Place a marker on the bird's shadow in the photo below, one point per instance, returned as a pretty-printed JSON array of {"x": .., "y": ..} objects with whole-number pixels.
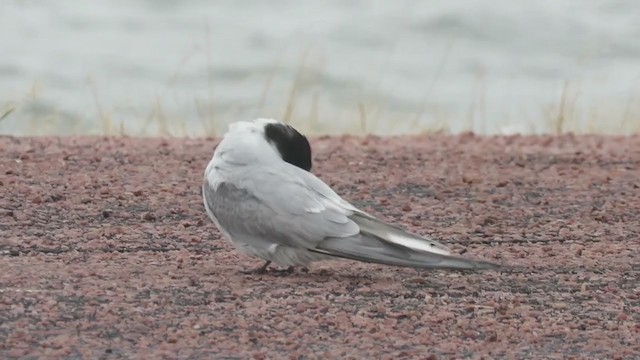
[{"x": 342, "y": 273}]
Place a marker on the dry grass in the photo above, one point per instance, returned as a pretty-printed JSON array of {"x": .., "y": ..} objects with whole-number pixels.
[
  {"x": 562, "y": 117},
  {"x": 7, "y": 111},
  {"x": 305, "y": 107}
]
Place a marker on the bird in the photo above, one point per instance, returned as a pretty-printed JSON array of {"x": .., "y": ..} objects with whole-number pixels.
[{"x": 259, "y": 191}]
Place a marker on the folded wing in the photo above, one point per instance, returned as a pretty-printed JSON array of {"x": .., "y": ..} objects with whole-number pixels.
[{"x": 288, "y": 206}]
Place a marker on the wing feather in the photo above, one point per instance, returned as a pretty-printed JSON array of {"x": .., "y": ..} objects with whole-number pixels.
[
  {"x": 278, "y": 208},
  {"x": 287, "y": 206}
]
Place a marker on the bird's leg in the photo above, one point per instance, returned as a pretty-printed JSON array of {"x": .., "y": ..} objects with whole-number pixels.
[{"x": 261, "y": 270}]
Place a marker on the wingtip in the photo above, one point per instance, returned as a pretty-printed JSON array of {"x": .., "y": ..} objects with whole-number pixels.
[
  {"x": 464, "y": 263},
  {"x": 486, "y": 265}
]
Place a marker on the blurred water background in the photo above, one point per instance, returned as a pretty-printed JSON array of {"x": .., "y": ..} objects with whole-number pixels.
[{"x": 187, "y": 68}]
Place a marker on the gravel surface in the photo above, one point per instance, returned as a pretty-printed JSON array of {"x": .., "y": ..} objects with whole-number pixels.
[{"x": 106, "y": 252}]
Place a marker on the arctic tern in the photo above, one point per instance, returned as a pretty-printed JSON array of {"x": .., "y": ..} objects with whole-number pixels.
[{"x": 260, "y": 193}]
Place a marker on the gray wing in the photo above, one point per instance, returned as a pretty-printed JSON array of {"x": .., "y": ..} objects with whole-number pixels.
[
  {"x": 277, "y": 206},
  {"x": 380, "y": 242},
  {"x": 289, "y": 206}
]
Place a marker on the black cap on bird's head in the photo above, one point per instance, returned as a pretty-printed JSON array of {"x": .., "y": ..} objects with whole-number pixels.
[{"x": 293, "y": 147}]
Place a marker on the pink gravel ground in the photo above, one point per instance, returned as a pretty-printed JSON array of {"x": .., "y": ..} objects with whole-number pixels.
[{"x": 106, "y": 252}]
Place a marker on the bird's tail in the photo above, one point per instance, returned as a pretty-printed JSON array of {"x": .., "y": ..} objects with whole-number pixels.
[{"x": 382, "y": 243}]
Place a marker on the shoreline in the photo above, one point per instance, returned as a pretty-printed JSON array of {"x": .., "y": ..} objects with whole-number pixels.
[{"x": 107, "y": 251}]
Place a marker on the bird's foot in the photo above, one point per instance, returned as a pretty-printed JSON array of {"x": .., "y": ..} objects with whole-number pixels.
[
  {"x": 261, "y": 270},
  {"x": 288, "y": 271}
]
